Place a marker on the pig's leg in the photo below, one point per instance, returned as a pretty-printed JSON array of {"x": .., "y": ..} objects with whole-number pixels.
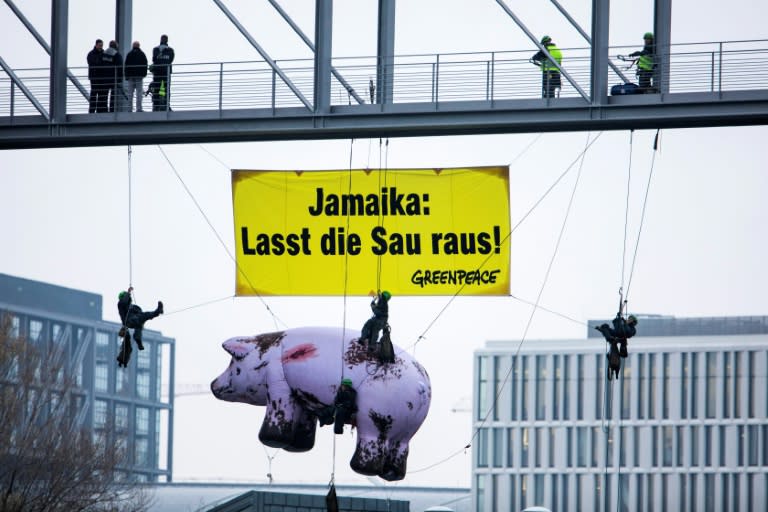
[{"x": 304, "y": 427}]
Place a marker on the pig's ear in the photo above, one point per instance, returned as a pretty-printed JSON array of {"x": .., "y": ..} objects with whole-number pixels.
[{"x": 237, "y": 348}]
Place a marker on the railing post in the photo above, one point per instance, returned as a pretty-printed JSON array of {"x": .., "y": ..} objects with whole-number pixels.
[
  {"x": 712, "y": 73},
  {"x": 274, "y": 81},
  {"x": 13, "y": 97},
  {"x": 720, "y": 70},
  {"x": 221, "y": 85},
  {"x": 437, "y": 79},
  {"x": 493, "y": 73}
]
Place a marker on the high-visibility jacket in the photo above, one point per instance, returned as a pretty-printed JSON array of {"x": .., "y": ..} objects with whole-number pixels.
[
  {"x": 556, "y": 54},
  {"x": 647, "y": 60}
]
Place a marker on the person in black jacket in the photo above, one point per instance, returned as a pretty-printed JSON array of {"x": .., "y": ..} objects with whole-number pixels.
[
  {"x": 345, "y": 404},
  {"x": 113, "y": 75},
  {"x": 617, "y": 338},
  {"x": 374, "y": 325},
  {"x": 162, "y": 58},
  {"x": 98, "y": 90},
  {"x": 133, "y": 317},
  {"x": 135, "y": 72}
]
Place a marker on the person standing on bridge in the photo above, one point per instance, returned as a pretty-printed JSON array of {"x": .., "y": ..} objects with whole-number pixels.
[
  {"x": 646, "y": 64},
  {"x": 135, "y": 72},
  {"x": 162, "y": 58},
  {"x": 550, "y": 73},
  {"x": 98, "y": 96},
  {"x": 113, "y": 75}
]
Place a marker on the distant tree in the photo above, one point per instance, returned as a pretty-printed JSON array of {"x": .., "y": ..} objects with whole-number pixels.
[{"x": 48, "y": 461}]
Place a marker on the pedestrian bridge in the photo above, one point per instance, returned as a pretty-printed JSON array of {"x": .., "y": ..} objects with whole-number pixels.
[{"x": 703, "y": 84}]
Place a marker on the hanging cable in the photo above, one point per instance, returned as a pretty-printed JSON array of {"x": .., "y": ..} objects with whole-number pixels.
[
  {"x": 535, "y": 306},
  {"x": 218, "y": 237},
  {"x": 130, "y": 221}
]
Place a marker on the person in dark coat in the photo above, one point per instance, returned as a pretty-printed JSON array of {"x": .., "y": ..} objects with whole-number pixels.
[
  {"x": 374, "y": 325},
  {"x": 135, "y": 72},
  {"x": 113, "y": 75},
  {"x": 345, "y": 404},
  {"x": 98, "y": 94},
  {"x": 162, "y": 58},
  {"x": 133, "y": 317},
  {"x": 617, "y": 339}
]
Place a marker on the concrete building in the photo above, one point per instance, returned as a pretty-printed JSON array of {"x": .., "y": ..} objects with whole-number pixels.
[
  {"x": 684, "y": 428},
  {"x": 139, "y": 398}
]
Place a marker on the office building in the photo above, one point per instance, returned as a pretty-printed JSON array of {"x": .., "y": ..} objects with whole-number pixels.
[
  {"x": 138, "y": 399},
  {"x": 685, "y": 427}
]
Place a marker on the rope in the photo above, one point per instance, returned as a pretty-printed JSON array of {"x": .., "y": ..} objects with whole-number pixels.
[
  {"x": 535, "y": 307},
  {"x": 626, "y": 210},
  {"x": 130, "y": 221},
  {"x": 642, "y": 214},
  {"x": 218, "y": 237}
]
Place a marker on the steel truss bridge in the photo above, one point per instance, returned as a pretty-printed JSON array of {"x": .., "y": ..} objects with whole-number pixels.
[{"x": 387, "y": 95}]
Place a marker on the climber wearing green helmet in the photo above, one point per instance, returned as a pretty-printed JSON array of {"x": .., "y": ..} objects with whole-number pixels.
[
  {"x": 646, "y": 64},
  {"x": 345, "y": 405},
  {"x": 617, "y": 338},
  {"x": 550, "y": 74},
  {"x": 134, "y": 318},
  {"x": 374, "y": 325}
]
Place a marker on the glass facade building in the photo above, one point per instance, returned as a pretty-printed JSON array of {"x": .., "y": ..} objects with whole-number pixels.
[
  {"x": 136, "y": 402},
  {"x": 684, "y": 428}
]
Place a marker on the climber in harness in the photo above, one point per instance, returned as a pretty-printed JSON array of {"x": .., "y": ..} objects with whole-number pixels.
[
  {"x": 378, "y": 322},
  {"x": 134, "y": 318},
  {"x": 345, "y": 405},
  {"x": 617, "y": 339}
]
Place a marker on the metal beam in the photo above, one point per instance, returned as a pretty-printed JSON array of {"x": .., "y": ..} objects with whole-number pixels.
[
  {"x": 385, "y": 52},
  {"x": 306, "y": 40},
  {"x": 737, "y": 108},
  {"x": 323, "y": 55},
  {"x": 123, "y": 25},
  {"x": 31, "y": 97},
  {"x": 581, "y": 31},
  {"x": 263, "y": 54},
  {"x": 42, "y": 42},
  {"x": 662, "y": 28},
  {"x": 535, "y": 41},
  {"x": 599, "y": 53},
  {"x": 58, "y": 80}
]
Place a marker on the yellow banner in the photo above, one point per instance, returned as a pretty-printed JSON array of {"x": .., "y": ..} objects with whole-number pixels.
[{"x": 408, "y": 231}]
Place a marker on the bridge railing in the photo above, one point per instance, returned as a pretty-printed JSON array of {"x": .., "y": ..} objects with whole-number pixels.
[{"x": 427, "y": 78}]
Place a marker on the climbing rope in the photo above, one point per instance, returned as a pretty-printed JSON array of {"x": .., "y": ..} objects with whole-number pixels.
[{"x": 130, "y": 221}]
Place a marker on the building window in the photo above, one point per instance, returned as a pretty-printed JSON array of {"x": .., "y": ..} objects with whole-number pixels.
[
  {"x": 498, "y": 447},
  {"x": 668, "y": 440},
  {"x": 694, "y": 445},
  {"x": 121, "y": 417},
  {"x": 581, "y": 447},
  {"x": 641, "y": 383},
  {"x": 563, "y": 494},
  {"x": 707, "y": 445},
  {"x": 497, "y": 384},
  {"x": 35, "y": 328},
  {"x": 626, "y": 386},
  {"x": 142, "y": 451},
  {"x": 679, "y": 432},
  {"x": 727, "y": 384},
  {"x": 101, "y": 377},
  {"x": 144, "y": 361},
  {"x": 724, "y": 491},
  {"x": 15, "y": 325},
  {"x": 566, "y": 389},
  {"x": 512, "y": 488},
  {"x": 121, "y": 382},
  {"x": 711, "y": 404},
  {"x": 537, "y": 445},
  {"x": 623, "y": 446},
  {"x": 751, "y": 384},
  {"x": 482, "y": 402},
  {"x": 639, "y": 491},
  {"x": 736, "y": 493},
  {"x": 579, "y": 387},
  {"x": 652, "y": 386},
  {"x": 142, "y": 384},
  {"x": 694, "y": 385},
  {"x": 655, "y": 446},
  {"x": 737, "y": 382},
  {"x": 142, "y": 421},
  {"x": 524, "y": 447},
  {"x": 524, "y": 390},
  {"x": 556, "y": 388},
  {"x": 480, "y": 497},
  {"x": 569, "y": 446},
  {"x": 482, "y": 448},
  {"x": 523, "y": 491},
  {"x": 595, "y": 434},
  {"x": 103, "y": 351},
  {"x": 740, "y": 433},
  {"x": 538, "y": 488},
  {"x": 722, "y": 445},
  {"x": 551, "y": 447},
  {"x": 752, "y": 445},
  {"x": 510, "y": 450},
  {"x": 513, "y": 389},
  {"x": 684, "y": 385},
  {"x": 665, "y": 384},
  {"x": 495, "y": 496},
  {"x": 692, "y": 480},
  {"x": 541, "y": 383},
  {"x": 600, "y": 397},
  {"x": 99, "y": 413}
]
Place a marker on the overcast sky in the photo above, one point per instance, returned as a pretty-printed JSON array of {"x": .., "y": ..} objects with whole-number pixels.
[{"x": 702, "y": 250}]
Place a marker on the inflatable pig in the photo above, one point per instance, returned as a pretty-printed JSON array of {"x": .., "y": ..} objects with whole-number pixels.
[{"x": 296, "y": 374}]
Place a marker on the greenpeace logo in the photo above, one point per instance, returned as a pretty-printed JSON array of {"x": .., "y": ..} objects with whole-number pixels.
[{"x": 424, "y": 278}]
